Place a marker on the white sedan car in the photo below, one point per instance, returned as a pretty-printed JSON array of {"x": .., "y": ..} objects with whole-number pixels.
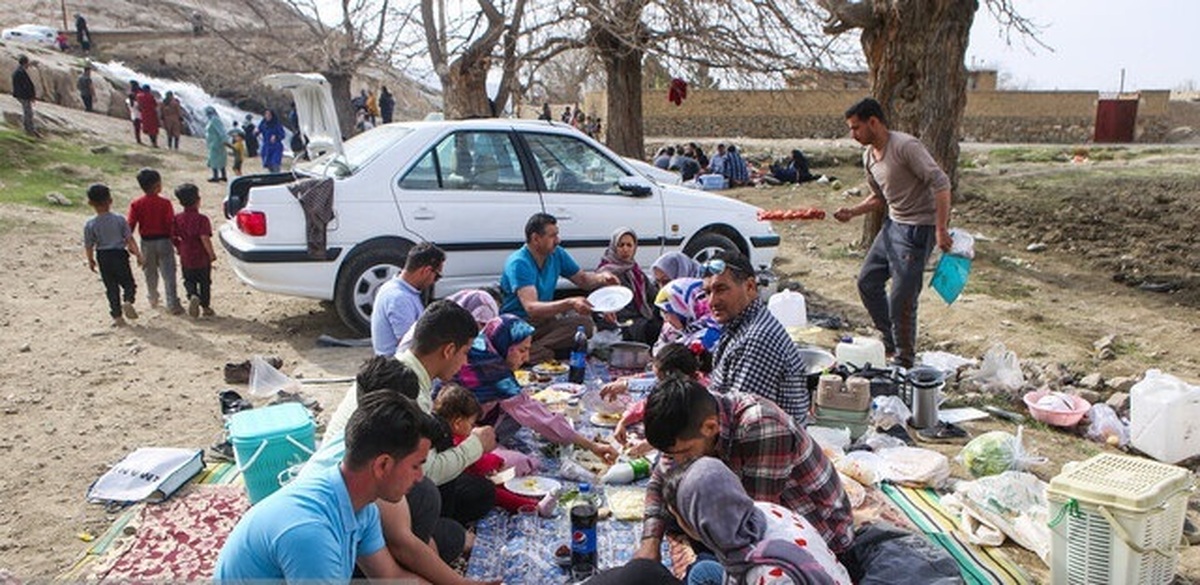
[
  {"x": 31, "y": 33},
  {"x": 468, "y": 186}
]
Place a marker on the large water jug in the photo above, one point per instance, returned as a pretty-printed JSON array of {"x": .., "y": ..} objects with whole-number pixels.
[
  {"x": 858, "y": 352},
  {"x": 1164, "y": 417},
  {"x": 789, "y": 308}
]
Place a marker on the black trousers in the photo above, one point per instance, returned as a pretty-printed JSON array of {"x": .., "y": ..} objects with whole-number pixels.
[
  {"x": 87, "y": 102},
  {"x": 115, "y": 272},
  {"x": 467, "y": 498},
  {"x": 424, "y": 504},
  {"x": 198, "y": 283},
  {"x": 636, "y": 572}
]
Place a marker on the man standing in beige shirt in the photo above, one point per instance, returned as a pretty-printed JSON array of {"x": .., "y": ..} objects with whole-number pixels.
[{"x": 904, "y": 177}]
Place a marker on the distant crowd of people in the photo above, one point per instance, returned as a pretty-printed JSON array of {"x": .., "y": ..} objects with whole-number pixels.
[
  {"x": 587, "y": 123},
  {"x": 690, "y": 162},
  {"x": 371, "y": 110}
]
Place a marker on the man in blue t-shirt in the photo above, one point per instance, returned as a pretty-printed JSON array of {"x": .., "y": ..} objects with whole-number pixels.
[
  {"x": 317, "y": 527},
  {"x": 528, "y": 283}
]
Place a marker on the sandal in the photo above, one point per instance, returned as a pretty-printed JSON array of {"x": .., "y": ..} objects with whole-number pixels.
[
  {"x": 943, "y": 432},
  {"x": 232, "y": 402}
]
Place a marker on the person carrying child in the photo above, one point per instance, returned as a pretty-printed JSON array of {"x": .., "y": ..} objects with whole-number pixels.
[
  {"x": 108, "y": 242},
  {"x": 153, "y": 217},
  {"x": 193, "y": 240},
  {"x": 457, "y": 410}
]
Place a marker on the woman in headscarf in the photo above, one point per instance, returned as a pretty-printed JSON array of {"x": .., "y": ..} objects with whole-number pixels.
[
  {"x": 214, "y": 142},
  {"x": 172, "y": 120},
  {"x": 756, "y": 543},
  {"x": 687, "y": 317},
  {"x": 479, "y": 303},
  {"x": 674, "y": 265},
  {"x": 271, "y": 135},
  {"x": 502, "y": 347},
  {"x": 620, "y": 259}
]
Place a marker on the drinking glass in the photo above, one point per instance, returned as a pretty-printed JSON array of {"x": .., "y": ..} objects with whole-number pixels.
[{"x": 527, "y": 523}]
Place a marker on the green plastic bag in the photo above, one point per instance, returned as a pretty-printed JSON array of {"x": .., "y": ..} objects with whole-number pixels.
[{"x": 950, "y": 276}]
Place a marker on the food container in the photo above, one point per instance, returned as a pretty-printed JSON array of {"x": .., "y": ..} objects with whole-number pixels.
[
  {"x": 1058, "y": 418},
  {"x": 629, "y": 355},
  {"x": 814, "y": 361}
]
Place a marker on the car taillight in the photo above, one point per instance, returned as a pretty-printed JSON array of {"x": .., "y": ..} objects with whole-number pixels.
[{"x": 252, "y": 223}]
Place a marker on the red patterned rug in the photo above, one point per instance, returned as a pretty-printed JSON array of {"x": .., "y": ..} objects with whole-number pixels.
[{"x": 177, "y": 540}]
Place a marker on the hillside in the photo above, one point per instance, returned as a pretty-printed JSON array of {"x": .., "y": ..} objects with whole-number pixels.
[{"x": 155, "y": 38}]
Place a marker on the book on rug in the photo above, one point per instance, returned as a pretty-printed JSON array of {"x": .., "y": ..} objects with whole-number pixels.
[{"x": 149, "y": 474}]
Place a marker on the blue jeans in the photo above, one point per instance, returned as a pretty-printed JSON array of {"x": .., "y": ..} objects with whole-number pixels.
[
  {"x": 705, "y": 571},
  {"x": 899, "y": 253}
]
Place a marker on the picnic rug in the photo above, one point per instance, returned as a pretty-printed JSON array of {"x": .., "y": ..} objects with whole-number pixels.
[
  {"x": 979, "y": 565},
  {"x": 173, "y": 541}
]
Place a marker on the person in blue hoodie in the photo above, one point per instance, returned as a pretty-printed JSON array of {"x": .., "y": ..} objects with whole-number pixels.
[{"x": 271, "y": 136}]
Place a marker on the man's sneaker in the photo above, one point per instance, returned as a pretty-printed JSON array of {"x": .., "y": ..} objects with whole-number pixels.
[
  {"x": 176, "y": 309},
  {"x": 118, "y": 321},
  {"x": 207, "y": 311},
  {"x": 129, "y": 311},
  {"x": 193, "y": 307}
]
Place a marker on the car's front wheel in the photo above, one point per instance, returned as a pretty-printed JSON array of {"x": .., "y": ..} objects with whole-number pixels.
[
  {"x": 706, "y": 245},
  {"x": 358, "y": 282}
]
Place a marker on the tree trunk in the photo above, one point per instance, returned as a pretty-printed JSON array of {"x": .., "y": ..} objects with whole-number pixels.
[
  {"x": 464, "y": 89},
  {"x": 915, "y": 55},
  {"x": 623, "y": 67},
  {"x": 339, "y": 87}
]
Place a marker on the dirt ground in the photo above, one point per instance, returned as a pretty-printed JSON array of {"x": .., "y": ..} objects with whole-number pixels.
[{"x": 79, "y": 394}]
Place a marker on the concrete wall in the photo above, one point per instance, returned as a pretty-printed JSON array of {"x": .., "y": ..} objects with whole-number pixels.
[{"x": 990, "y": 116}]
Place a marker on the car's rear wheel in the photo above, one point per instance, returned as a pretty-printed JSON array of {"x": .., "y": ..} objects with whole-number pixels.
[
  {"x": 358, "y": 282},
  {"x": 706, "y": 245}
]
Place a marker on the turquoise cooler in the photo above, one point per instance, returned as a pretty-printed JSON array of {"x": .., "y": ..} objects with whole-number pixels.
[{"x": 268, "y": 442}]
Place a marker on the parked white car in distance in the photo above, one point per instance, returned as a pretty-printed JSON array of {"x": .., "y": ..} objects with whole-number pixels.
[
  {"x": 31, "y": 33},
  {"x": 468, "y": 186}
]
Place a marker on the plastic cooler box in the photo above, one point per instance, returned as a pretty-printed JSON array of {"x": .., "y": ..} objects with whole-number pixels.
[
  {"x": 268, "y": 442},
  {"x": 1115, "y": 520}
]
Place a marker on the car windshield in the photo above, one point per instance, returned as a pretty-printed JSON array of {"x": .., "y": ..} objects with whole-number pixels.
[{"x": 358, "y": 152}]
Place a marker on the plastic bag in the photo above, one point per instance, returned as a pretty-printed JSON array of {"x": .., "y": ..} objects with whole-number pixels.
[
  {"x": 914, "y": 467},
  {"x": 996, "y": 452},
  {"x": 571, "y": 470},
  {"x": 266, "y": 381},
  {"x": 944, "y": 361},
  {"x": 861, "y": 466},
  {"x": 602, "y": 339},
  {"x": 1000, "y": 370},
  {"x": 829, "y": 438},
  {"x": 1013, "y": 503},
  {"x": 950, "y": 277},
  {"x": 878, "y": 441},
  {"x": 889, "y": 411},
  {"x": 963, "y": 243},
  {"x": 1105, "y": 426}
]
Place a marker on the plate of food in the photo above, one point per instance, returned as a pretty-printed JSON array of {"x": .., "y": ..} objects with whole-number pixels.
[
  {"x": 606, "y": 420},
  {"x": 532, "y": 486},
  {"x": 550, "y": 368},
  {"x": 524, "y": 377},
  {"x": 610, "y": 298}
]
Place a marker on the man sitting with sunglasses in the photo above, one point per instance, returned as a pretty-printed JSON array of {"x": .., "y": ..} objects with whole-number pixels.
[
  {"x": 398, "y": 303},
  {"x": 754, "y": 354}
]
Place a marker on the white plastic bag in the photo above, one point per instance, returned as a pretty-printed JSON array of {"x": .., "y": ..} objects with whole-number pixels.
[
  {"x": 889, "y": 411},
  {"x": 830, "y": 439},
  {"x": 1000, "y": 370},
  {"x": 963, "y": 243},
  {"x": 914, "y": 467},
  {"x": 1104, "y": 426},
  {"x": 266, "y": 381}
]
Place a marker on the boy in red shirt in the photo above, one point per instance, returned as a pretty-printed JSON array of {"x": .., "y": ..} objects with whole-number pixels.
[
  {"x": 193, "y": 239},
  {"x": 153, "y": 217}
]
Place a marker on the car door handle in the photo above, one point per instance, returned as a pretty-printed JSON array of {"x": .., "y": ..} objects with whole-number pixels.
[
  {"x": 423, "y": 213},
  {"x": 561, "y": 214}
]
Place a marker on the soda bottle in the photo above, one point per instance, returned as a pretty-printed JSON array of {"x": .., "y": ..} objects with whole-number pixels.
[
  {"x": 583, "y": 533},
  {"x": 578, "y": 357}
]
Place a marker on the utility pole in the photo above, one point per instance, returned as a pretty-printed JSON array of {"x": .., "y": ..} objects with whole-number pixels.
[
  {"x": 64, "y": 13},
  {"x": 1122, "y": 90}
]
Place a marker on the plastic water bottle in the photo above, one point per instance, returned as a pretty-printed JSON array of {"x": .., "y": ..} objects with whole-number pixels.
[
  {"x": 627, "y": 472},
  {"x": 578, "y": 357}
]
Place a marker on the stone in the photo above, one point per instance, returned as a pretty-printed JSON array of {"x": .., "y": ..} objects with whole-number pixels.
[
  {"x": 57, "y": 198},
  {"x": 1092, "y": 381},
  {"x": 1119, "y": 401},
  {"x": 1122, "y": 383},
  {"x": 1036, "y": 247},
  {"x": 25, "y": 348},
  {"x": 1089, "y": 395}
]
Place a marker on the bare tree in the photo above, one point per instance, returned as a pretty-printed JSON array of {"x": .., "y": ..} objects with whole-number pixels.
[
  {"x": 335, "y": 40},
  {"x": 916, "y": 55}
]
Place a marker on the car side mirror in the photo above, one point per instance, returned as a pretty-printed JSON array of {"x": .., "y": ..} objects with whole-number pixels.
[{"x": 636, "y": 186}]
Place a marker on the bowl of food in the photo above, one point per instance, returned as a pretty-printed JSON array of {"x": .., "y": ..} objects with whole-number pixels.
[
  {"x": 1056, "y": 408},
  {"x": 545, "y": 371}
]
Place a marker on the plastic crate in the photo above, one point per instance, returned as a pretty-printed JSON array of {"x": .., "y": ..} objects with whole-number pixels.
[
  {"x": 268, "y": 442},
  {"x": 1116, "y": 520}
]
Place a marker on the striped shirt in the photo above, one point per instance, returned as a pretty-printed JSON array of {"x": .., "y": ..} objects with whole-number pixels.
[
  {"x": 777, "y": 463},
  {"x": 756, "y": 355}
]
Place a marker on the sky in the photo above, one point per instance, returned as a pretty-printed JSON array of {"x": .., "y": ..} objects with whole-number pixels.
[{"x": 1155, "y": 41}]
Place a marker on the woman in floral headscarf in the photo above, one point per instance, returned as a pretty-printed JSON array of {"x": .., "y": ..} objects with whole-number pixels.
[
  {"x": 503, "y": 346},
  {"x": 620, "y": 260},
  {"x": 686, "y": 315}
]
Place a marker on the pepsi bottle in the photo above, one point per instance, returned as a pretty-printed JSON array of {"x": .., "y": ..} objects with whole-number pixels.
[
  {"x": 578, "y": 362},
  {"x": 583, "y": 535}
]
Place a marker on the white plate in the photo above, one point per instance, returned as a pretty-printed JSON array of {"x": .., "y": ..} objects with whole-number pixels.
[
  {"x": 610, "y": 298},
  {"x": 532, "y": 486},
  {"x": 599, "y": 421}
]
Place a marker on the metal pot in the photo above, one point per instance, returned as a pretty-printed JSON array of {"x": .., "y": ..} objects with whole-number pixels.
[
  {"x": 814, "y": 361},
  {"x": 629, "y": 355}
]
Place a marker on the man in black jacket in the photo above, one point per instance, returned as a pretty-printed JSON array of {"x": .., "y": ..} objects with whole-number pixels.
[{"x": 22, "y": 89}]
